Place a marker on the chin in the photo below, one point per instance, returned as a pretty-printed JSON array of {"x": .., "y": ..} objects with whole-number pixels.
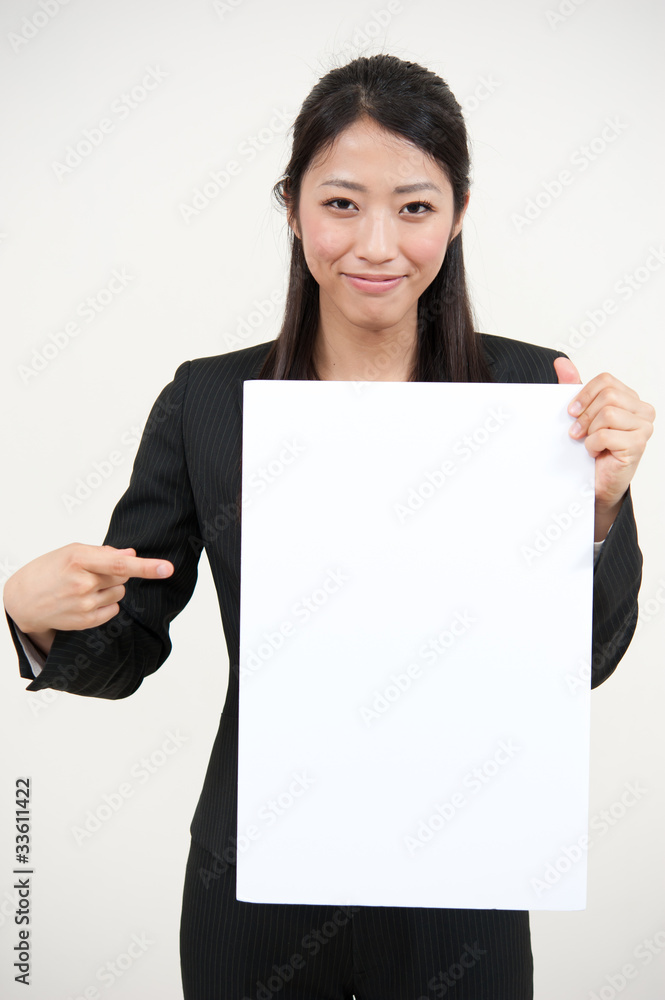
[
  {"x": 380, "y": 320},
  {"x": 370, "y": 323}
]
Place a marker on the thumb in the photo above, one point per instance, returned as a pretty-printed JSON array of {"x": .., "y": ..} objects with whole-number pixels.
[{"x": 566, "y": 372}]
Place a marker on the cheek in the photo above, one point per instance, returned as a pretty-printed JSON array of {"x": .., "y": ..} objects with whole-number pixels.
[
  {"x": 427, "y": 252},
  {"x": 325, "y": 244},
  {"x": 321, "y": 241}
]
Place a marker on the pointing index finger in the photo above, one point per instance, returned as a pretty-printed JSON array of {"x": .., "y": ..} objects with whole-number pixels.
[{"x": 115, "y": 562}]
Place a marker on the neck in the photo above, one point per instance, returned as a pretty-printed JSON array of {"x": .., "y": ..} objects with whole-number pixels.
[{"x": 349, "y": 353}]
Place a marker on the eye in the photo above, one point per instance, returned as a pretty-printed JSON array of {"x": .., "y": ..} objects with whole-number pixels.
[
  {"x": 412, "y": 208},
  {"x": 342, "y": 204},
  {"x": 413, "y": 205}
]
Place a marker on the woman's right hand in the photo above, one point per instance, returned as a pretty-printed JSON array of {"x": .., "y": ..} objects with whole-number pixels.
[{"x": 75, "y": 587}]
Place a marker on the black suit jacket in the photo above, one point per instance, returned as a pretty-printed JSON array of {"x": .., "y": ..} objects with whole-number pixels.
[{"x": 183, "y": 496}]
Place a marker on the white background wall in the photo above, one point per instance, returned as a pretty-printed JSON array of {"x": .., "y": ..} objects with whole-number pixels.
[{"x": 538, "y": 87}]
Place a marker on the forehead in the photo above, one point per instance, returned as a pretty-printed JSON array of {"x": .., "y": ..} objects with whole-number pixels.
[{"x": 373, "y": 156}]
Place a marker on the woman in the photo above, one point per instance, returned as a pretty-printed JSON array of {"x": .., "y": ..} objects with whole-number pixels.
[{"x": 375, "y": 192}]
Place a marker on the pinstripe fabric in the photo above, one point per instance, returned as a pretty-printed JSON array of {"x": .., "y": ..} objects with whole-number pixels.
[
  {"x": 183, "y": 497},
  {"x": 256, "y": 951}
]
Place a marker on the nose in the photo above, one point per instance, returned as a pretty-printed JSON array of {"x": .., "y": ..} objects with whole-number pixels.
[{"x": 376, "y": 238}]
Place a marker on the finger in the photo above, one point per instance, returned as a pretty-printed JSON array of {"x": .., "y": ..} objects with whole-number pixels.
[
  {"x": 566, "y": 372},
  {"x": 608, "y": 416},
  {"x": 108, "y": 561},
  {"x": 106, "y": 581},
  {"x": 110, "y": 595},
  {"x": 603, "y": 383},
  {"x": 615, "y": 398},
  {"x": 101, "y": 615},
  {"x": 624, "y": 446},
  {"x": 88, "y": 618}
]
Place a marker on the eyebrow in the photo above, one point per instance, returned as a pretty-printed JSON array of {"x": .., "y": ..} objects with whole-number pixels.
[{"x": 401, "y": 189}]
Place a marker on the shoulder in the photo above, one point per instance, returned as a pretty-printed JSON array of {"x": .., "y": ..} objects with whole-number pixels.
[
  {"x": 209, "y": 385},
  {"x": 231, "y": 366},
  {"x": 518, "y": 361},
  {"x": 204, "y": 380}
]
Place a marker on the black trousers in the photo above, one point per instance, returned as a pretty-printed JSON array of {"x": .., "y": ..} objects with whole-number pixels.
[{"x": 234, "y": 950}]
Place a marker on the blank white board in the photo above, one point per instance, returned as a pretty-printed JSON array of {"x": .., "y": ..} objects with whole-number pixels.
[{"x": 416, "y": 593}]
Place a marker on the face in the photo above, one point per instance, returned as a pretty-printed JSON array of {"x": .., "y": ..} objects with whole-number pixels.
[{"x": 375, "y": 218}]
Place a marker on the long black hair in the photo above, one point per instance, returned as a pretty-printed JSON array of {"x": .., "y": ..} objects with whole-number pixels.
[{"x": 415, "y": 103}]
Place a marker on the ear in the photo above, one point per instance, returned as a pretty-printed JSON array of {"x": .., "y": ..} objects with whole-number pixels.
[
  {"x": 293, "y": 223},
  {"x": 457, "y": 228},
  {"x": 290, "y": 214}
]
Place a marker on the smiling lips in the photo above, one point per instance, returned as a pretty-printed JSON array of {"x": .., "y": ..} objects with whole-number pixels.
[{"x": 374, "y": 283}]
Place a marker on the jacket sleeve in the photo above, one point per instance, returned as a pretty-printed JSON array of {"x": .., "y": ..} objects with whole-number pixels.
[
  {"x": 156, "y": 516},
  {"x": 617, "y": 577},
  {"x": 616, "y": 583}
]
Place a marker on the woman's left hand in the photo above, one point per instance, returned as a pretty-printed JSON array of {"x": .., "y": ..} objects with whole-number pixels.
[{"x": 616, "y": 426}]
